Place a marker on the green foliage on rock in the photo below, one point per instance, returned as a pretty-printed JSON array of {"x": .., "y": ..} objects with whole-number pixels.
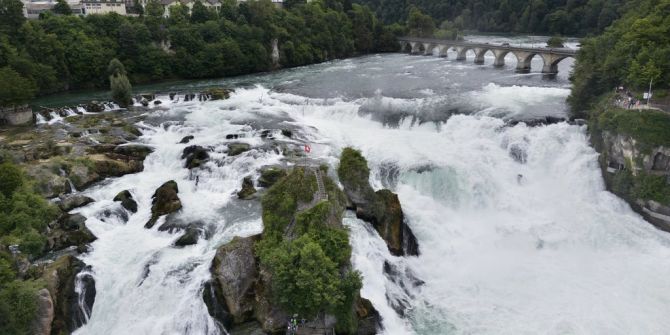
[
  {"x": 309, "y": 261},
  {"x": 651, "y": 187},
  {"x": 281, "y": 201},
  {"x": 23, "y": 220},
  {"x": 18, "y": 306},
  {"x": 555, "y": 42},
  {"x": 23, "y": 213},
  {"x": 353, "y": 169},
  {"x": 649, "y": 129}
]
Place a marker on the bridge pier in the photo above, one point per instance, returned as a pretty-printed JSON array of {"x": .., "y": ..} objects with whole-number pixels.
[
  {"x": 428, "y": 49},
  {"x": 500, "y": 57},
  {"x": 461, "y": 53},
  {"x": 416, "y": 48},
  {"x": 523, "y": 59},
  {"x": 479, "y": 55},
  {"x": 551, "y": 63},
  {"x": 442, "y": 50}
]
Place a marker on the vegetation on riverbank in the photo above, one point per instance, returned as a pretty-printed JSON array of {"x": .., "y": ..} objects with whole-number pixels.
[
  {"x": 24, "y": 216},
  {"x": 63, "y": 52},
  {"x": 632, "y": 52}
]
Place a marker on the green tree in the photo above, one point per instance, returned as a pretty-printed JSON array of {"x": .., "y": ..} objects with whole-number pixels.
[
  {"x": 420, "y": 24},
  {"x": 119, "y": 84},
  {"x": 11, "y": 16},
  {"x": 11, "y": 178},
  {"x": 18, "y": 307},
  {"x": 61, "y": 7},
  {"x": 200, "y": 13},
  {"x": 154, "y": 9},
  {"x": 14, "y": 89}
]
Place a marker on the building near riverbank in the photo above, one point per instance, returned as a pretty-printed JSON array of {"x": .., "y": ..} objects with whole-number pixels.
[{"x": 16, "y": 115}]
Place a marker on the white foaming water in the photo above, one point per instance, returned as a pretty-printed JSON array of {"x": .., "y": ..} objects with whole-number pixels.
[{"x": 506, "y": 247}]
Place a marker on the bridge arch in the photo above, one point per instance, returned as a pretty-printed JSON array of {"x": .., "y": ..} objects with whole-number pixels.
[
  {"x": 429, "y": 48},
  {"x": 500, "y": 55},
  {"x": 462, "y": 52},
  {"x": 551, "y": 63},
  {"x": 480, "y": 55},
  {"x": 442, "y": 50},
  {"x": 523, "y": 60}
]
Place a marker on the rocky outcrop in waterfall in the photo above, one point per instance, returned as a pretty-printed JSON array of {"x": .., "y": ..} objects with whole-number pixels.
[
  {"x": 248, "y": 190},
  {"x": 69, "y": 230},
  {"x": 165, "y": 201},
  {"x": 126, "y": 200},
  {"x": 301, "y": 260},
  {"x": 195, "y": 156},
  {"x": 635, "y": 159},
  {"x": 75, "y": 201},
  {"x": 60, "y": 278},
  {"x": 382, "y": 208}
]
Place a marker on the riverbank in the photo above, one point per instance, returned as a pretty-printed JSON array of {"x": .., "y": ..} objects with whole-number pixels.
[{"x": 634, "y": 146}]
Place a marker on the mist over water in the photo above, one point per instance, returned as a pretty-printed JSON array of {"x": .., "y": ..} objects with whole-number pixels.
[{"x": 516, "y": 231}]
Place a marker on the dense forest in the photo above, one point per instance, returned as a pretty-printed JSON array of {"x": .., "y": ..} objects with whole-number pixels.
[
  {"x": 563, "y": 17},
  {"x": 61, "y": 52},
  {"x": 633, "y": 52}
]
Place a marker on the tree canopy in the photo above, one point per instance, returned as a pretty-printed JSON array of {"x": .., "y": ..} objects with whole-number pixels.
[
  {"x": 632, "y": 52},
  {"x": 563, "y": 17},
  {"x": 62, "y": 52}
]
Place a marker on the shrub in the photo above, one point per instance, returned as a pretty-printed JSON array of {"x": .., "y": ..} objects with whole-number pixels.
[
  {"x": 555, "y": 42},
  {"x": 18, "y": 306}
]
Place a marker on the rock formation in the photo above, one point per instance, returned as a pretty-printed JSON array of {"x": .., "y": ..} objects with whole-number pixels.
[
  {"x": 165, "y": 201},
  {"x": 127, "y": 201},
  {"x": 382, "y": 208}
]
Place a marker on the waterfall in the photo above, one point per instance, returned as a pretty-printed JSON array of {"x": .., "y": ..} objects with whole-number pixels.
[{"x": 550, "y": 252}]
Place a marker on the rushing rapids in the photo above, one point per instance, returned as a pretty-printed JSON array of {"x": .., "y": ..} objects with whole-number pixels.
[{"x": 516, "y": 231}]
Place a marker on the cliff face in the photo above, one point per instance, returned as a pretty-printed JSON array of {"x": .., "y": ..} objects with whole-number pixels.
[{"x": 635, "y": 159}]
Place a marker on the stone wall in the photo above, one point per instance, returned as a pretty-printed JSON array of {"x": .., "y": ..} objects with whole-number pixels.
[{"x": 17, "y": 115}]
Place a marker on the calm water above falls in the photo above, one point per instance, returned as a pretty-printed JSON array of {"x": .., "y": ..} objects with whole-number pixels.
[{"x": 550, "y": 252}]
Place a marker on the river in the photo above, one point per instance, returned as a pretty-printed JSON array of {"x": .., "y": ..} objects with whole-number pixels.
[{"x": 532, "y": 245}]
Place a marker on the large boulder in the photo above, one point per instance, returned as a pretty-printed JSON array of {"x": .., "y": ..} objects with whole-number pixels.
[
  {"x": 133, "y": 151},
  {"x": 392, "y": 227},
  {"x": 248, "y": 190},
  {"x": 190, "y": 237},
  {"x": 235, "y": 149},
  {"x": 165, "y": 201},
  {"x": 234, "y": 270},
  {"x": 195, "y": 156},
  {"x": 41, "y": 325},
  {"x": 126, "y": 200},
  {"x": 75, "y": 201},
  {"x": 369, "y": 319},
  {"x": 69, "y": 230},
  {"x": 60, "y": 278},
  {"x": 186, "y": 139},
  {"x": 382, "y": 209}
]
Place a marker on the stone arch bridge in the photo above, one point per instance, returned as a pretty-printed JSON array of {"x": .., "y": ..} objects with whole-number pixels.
[{"x": 550, "y": 56}]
